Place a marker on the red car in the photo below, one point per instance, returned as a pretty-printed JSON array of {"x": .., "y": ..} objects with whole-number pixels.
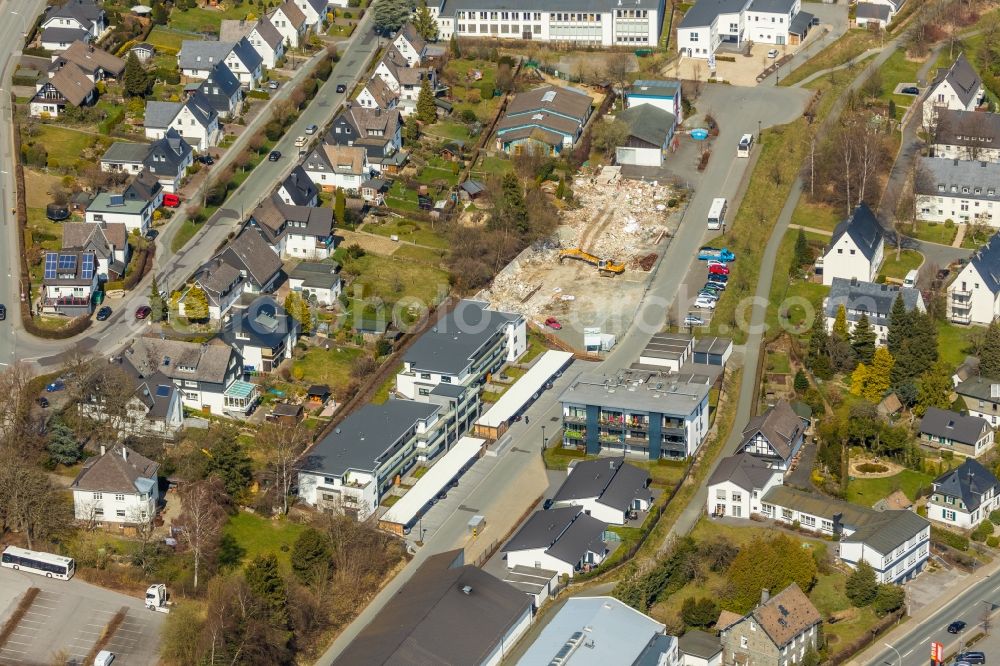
[
  {"x": 171, "y": 200},
  {"x": 553, "y": 323},
  {"x": 718, "y": 270},
  {"x": 142, "y": 311}
]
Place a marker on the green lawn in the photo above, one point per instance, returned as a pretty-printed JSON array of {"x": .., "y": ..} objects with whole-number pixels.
[
  {"x": 431, "y": 175},
  {"x": 556, "y": 457},
  {"x": 421, "y": 233},
  {"x": 779, "y": 362},
  {"x": 536, "y": 345},
  {"x": 333, "y": 367},
  {"x": 263, "y": 536},
  {"x": 898, "y": 69},
  {"x": 490, "y": 164},
  {"x": 206, "y": 20},
  {"x": 402, "y": 198},
  {"x": 816, "y": 215},
  {"x": 931, "y": 232},
  {"x": 424, "y": 255},
  {"x": 868, "y": 491},
  {"x": 382, "y": 394},
  {"x": 787, "y": 304},
  {"x": 65, "y": 146},
  {"x": 394, "y": 279},
  {"x": 166, "y": 40},
  {"x": 973, "y": 241},
  {"x": 449, "y": 129},
  {"x": 851, "y": 44},
  {"x": 908, "y": 261},
  {"x": 953, "y": 342}
]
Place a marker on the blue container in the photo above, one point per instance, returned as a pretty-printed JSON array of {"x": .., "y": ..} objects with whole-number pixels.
[{"x": 699, "y": 134}]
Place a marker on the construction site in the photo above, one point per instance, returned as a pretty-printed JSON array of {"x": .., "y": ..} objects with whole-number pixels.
[{"x": 594, "y": 270}]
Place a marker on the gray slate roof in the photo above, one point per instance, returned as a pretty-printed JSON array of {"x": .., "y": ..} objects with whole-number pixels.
[
  {"x": 117, "y": 470},
  {"x": 251, "y": 253},
  {"x": 219, "y": 87},
  {"x": 166, "y": 155},
  {"x": 952, "y": 425},
  {"x": 542, "y": 528},
  {"x": 876, "y": 299},
  {"x": 779, "y": 425},
  {"x": 698, "y": 643},
  {"x": 939, "y": 176},
  {"x": 265, "y": 325},
  {"x": 178, "y": 359},
  {"x": 868, "y": 10},
  {"x": 365, "y": 437},
  {"x": 863, "y": 228},
  {"x": 63, "y": 35},
  {"x": 126, "y": 152},
  {"x": 799, "y": 25},
  {"x": 973, "y": 129},
  {"x": 978, "y": 387},
  {"x": 703, "y": 13},
  {"x": 613, "y": 482},
  {"x": 299, "y": 186},
  {"x": 657, "y": 392},
  {"x": 202, "y": 54},
  {"x": 585, "y": 534},
  {"x": 986, "y": 260},
  {"x": 746, "y": 471},
  {"x": 316, "y": 275},
  {"x": 772, "y": 6},
  {"x": 159, "y": 115},
  {"x": 969, "y": 482},
  {"x": 84, "y": 11},
  {"x": 649, "y": 123},
  {"x": 963, "y": 79},
  {"x": 450, "y": 346}
]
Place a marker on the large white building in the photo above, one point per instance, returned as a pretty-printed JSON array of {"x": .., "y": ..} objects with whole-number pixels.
[
  {"x": 118, "y": 487},
  {"x": 601, "y": 23},
  {"x": 965, "y": 496},
  {"x": 563, "y": 539},
  {"x": 967, "y": 135},
  {"x": 738, "y": 483},
  {"x": 608, "y": 489},
  {"x": 856, "y": 249},
  {"x": 871, "y": 299},
  {"x": 958, "y": 88},
  {"x": 962, "y": 191},
  {"x": 710, "y": 23},
  {"x": 974, "y": 295}
]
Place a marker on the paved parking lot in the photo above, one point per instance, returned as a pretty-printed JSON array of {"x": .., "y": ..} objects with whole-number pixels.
[{"x": 67, "y": 618}]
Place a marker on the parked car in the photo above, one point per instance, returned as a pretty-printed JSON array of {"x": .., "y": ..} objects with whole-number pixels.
[
  {"x": 910, "y": 90},
  {"x": 693, "y": 320},
  {"x": 718, "y": 277},
  {"x": 719, "y": 286},
  {"x": 43, "y": 402},
  {"x": 3, "y": 312},
  {"x": 956, "y": 627},
  {"x": 274, "y": 156},
  {"x": 143, "y": 311},
  {"x": 207, "y": 160},
  {"x": 341, "y": 88},
  {"x": 57, "y": 385},
  {"x": 971, "y": 657},
  {"x": 171, "y": 200},
  {"x": 708, "y": 253},
  {"x": 553, "y": 323},
  {"x": 718, "y": 270},
  {"x": 547, "y": 504},
  {"x": 300, "y": 141},
  {"x": 151, "y": 234},
  {"x": 704, "y": 293},
  {"x": 103, "y": 313},
  {"x": 705, "y": 303},
  {"x": 773, "y": 53},
  {"x": 311, "y": 129},
  {"x": 273, "y": 85},
  {"x": 715, "y": 262}
]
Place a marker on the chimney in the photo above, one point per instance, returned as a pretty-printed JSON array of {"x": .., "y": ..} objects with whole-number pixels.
[
  {"x": 466, "y": 590},
  {"x": 765, "y": 595},
  {"x": 103, "y": 449}
]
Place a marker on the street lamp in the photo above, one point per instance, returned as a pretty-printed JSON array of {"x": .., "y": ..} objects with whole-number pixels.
[
  {"x": 899, "y": 656},
  {"x": 543, "y": 438}
]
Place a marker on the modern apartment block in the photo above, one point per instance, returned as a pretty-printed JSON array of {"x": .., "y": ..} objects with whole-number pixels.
[{"x": 636, "y": 412}]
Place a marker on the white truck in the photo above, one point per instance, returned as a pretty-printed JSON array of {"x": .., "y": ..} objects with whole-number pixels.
[{"x": 156, "y": 598}]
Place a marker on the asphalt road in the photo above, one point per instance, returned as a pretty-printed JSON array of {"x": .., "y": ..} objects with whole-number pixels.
[{"x": 171, "y": 269}]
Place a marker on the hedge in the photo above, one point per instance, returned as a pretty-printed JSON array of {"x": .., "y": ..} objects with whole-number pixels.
[
  {"x": 257, "y": 94},
  {"x": 74, "y": 327},
  {"x": 956, "y": 541}
]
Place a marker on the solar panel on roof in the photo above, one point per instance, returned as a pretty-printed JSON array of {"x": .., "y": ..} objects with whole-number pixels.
[
  {"x": 87, "y": 271},
  {"x": 67, "y": 262},
  {"x": 162, "y": 391},
  {"x": 50, "y": 265},
  {"x": 117, "y": 200},
  {"x": 549, "y": 96}
]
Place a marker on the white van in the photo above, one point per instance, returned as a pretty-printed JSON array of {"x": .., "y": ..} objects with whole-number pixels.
[
  {"x": 717, "y": 214},
  {"x": 746, "y": 145},
  {"x": 104, "y": 658},
  {"x": 911, "y": 278}
]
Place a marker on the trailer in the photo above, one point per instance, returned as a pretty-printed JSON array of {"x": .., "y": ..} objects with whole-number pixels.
[{"x": 706, "y": 253}]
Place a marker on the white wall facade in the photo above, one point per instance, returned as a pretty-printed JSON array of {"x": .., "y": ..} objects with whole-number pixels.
[
  {"x": 951, "y": 152},
  {"x": 323, "y": 296},
  {"x": 639, "y": 156},
  {"x": 502, "y": 649},
  {"x": 118, "y": 508},
  {"x": 347, "y": 181},
  {"x": 249, "y": 78},
  {"x": 956, "y": 514},
  {"x": 846, "y": 261},
  {"x": 537, "y": 557},
  {"x": 201, "y": 137},
  {"x": 618, "y": 27},
  {"x": 733, "y": 501},
  {"x": 140, "y": 222},
  {"x": 894, "y": 567},
  {"x": 769, "y": 27},
  {"x": 300, "y": 246},
  {"x": 698, "y": 42},
  {"x": 970, "y": 301},
  {"x": 957, "y": 208},
  {"x": 329, "y": 491},
  {"x": 944, "y": 97}
]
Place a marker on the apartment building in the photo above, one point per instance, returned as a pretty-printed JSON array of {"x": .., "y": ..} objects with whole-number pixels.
[{"x": 963, "y": 191}]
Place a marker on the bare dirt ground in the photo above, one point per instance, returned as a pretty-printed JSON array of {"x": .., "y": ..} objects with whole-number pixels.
[{"x": 38, "y": 188}]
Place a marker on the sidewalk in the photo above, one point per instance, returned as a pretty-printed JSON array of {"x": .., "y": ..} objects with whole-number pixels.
[{"x": 960, "y": 236}]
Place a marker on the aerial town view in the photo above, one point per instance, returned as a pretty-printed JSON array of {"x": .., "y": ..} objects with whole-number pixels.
[{"x": 499, "y": 332}]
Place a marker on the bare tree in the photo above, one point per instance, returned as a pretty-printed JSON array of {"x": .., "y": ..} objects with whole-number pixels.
[
  {"x": 202, "y": 518},
  {"x": 16, "y": 421},
  {"x": 282, "y": 446},
  {"x": 28, "y": 502},
  {"x": 617, "y": 69},
  {"x": 107, "y": 394}
]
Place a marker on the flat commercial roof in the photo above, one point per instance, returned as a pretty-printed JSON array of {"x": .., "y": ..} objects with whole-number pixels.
[
  {"x": 431, "y": 483},
  {"x": 511, "y": 402}
]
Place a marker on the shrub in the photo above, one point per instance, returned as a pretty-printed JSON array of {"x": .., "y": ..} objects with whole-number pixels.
[
  {"x": 862, "y": 585},
  {"x": 995, "y": 517},
  {"x": 956, "y": 541},
  {"x": 984, "y": 530},
  {"x": 888, "y": 599},
  {"x": 872, "y": 468},
  {"x": 993, "y": 541}
]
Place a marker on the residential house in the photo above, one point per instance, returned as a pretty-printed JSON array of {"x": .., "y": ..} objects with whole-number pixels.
[
  {"x": 373, "y": 190},
  {"x": 974, "y": 294},
  {"x": 319, "y": 282},
  {"x": 333, "y": 167},
  {"x": 872, "y": 299},
  {"x": 404, "y": 80},
  {"x": 566, "y": 540},
  {"x": 75, "y": 20},
  {"x": 352, "y": 468},
  {"x": 290, "y": 22},
  {"x": 295, "y": 232},
  {"x": 950, "y": 431},
  {"x": 208, "y": 375},
  {"x": 778, "y": 632},
  {"x": 410, "y": 45},
  {"x": 264, "y": 334},
  {"x": 982, "y": 397},
  {"x": 869, "y": 13},
  {"x": 298, "y": 189},
  {"x": 256, "y": 261},
  {"x": 650, "y": 131},
  {"x": 608, "y": 489},
  {"x": 133, "y": 207},
  {"x": 119, "y": 487},
  {"x": 550, "y": 116},
  {"x": 895, "y": 543},
  {"x": 378, "y": 132},
  {"x": 965, "y": 496},
  {"x": 958, "y": 88},
  {"x": 126, "y": 157},
  {"x": 449, "y": 612},
  {"x": 222, "y": 90},
  {"x": 601, "y": 630},
  {"x": 69, "y": 282},
  {"x": 698, "y": 648},
  {"x": 967, "y": 135},
  {"x": 575, "y": 24},
  {"x": 262, "y": 35},
  {"x": 67, "y": 86},
  {"x": 155, "y": 407},
  {"x": 775, "y": 436},
  {"x": 738, "y": 483},
  {"x": 194, "y": 118},
  {"x": 168, "y": 159},
  {"x": 665, "y": 95},
  {"x": 315, "y": 11},
  {"x": 707, "y": 25},
  {"x": 958, "y": 190},
  {"x": 108, "y": 242},
  {"x": 95, "y": 63},
  {"x": 377, "y": 95},
  {"x": 636, "y": 412},
  {"x": 856, "y": 249},
  {"x": 223, "y": 285},
  {"x": 197, "y": 59}
]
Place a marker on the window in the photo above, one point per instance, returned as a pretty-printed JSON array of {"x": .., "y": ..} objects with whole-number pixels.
[
  {"x": 719, "y": 494},
  {"x": 98, "y": 511},
  {"x": 424, "y": 391},
  {"x": 119, "y": 497},
  {"x": 694, "y": 36},
  {"x": 744, "y": 642},
  {"x": 120, "y": 513},
  {"x": 948, "y": 515},
  {"x": 425, "y": 375},
  {"x": 786, "y": 514},
  {"x": 98, "y": 496}
]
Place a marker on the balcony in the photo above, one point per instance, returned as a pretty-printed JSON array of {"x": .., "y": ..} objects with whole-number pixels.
[
  {"x": 638, "y": 425},
  {"x": 608, "y": 438},
  {"x": 575, "y": 418},
  {"x": 961, "y": 317},
  {"x": 575, "y": 434}
]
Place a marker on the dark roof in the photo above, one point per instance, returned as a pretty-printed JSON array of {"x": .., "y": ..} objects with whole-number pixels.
[
  {"x": 704, "y": 12},
  {"x": 84, "y": 11},
  {"x": 126, "y": 151},
  {"x": 447, "y": 614},
  {"x": 286, "y": 409},
  {"x": 89, "y": 58},
  {"x": 265, "y": 325},
  {"x": 542, "y": 528},
  {"x": 116, "y": 471},
  {"x": 963, "y": 79},
  {"x": 649, "y": 123},
  {"x": 473, "y": 187},
  {"x": 567, "y": 102},
  {"x": 896, "y": 528},
  {"x": 654, "y": 88},
  {"x": 276, "y": 219},
  {"x": 250, "y": 252},
  {"x": 874, "y": 298},
  {"x": 968, "y": 482},
  {"x": 450, "y": 346},
  {"x": 986, "y": 261},
  {"x": 365, "y": 437},
  {"x": 967, "y": 128},
  {"x": 779, "y": 425},
  {"x": 868, "y": 10},
  {"x": 613, "y": 482},
  {"x": 168, "y": 154},
  {"x": 321, "y": 390},
  {"x": 746, "y": 471},
  {"x": 952, "y": 425},
  {"x": 316, "y": 275},
  {"x": 799, "y": 25},
  {"x": 772, "y": 6},
  {"x": 143, "y": 187},
  {"x": 247, "y": 54},
  {"x": 586, "y": 533},
  {"x": 981, "y": 388},
  {"x": 74, "y": 275},
  {"x": 63, "y": 35},
  {"x": 300, "y": 188},
  {"x": 698, "y": 643},
  {"x": 863, "y": 228},
  {"x": 411, "y": 35},
  {"x": 219, "y": 87}
]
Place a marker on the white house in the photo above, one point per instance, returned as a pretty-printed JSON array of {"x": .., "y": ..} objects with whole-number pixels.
[
  {"x": 775, "y": 436},
  {"x": 965, "y": 496},
  {"x": 769, "y": 21},
  {"x": 958, "y": 88},
  {"x": 856, "y": 249},
  {"x": 963, "y": 434},
  {"x": 873, "y": 300},
  {"x": 119, "y": 487},
  {"x": 319, "y": 282},
  {"x": 264, "y": 334},
  {"x": 699, "y": 648},
  {"x": 565, "y": 539},
  {"x": 108, "y": 242},
  {"x": 650, "y": 131},
  {"x": 411, "y": 45},
  {"x": 664, "y": 95},
  {"x": 404, "y": 81},
  {"x": 263, "y": 36},
  {"x": 69, "y": 282},
  {"x": 221, "y": 91},
  {"x": 194, "y": 118},
  {"x": 880, "y": 12},
  {"x": 69, "y": 86},
  {"x": 963, "y": 191},
  {"x": 377, "y": 95},
  {"x": 331, "y": 167},
  {"x": 298, "y": 189},
  {"x": 738, "y": 483},
  {"x": 981, "y": 395},
  {"x": 967, "y": 135},
  {"x": 76, "y": 20},
  {"x": 295, "y": 232},
  {"x": 155, "y": 408},
  {"x": 896, "y": 543},
  {"x": 974, "y": 294},
  {"x": 197, "y": 58},
  {"x": 709, "y": 23},
  {"x": 608, "y": 489},
  {"x": 133, "y": 207},
  {"x": 315, "y": 11},
  {"x": 376, "y": 130},
  {"x": 290, "y": 22}
]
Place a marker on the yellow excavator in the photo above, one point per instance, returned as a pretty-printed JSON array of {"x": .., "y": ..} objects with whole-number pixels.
[{"x": 606, "y": 267}]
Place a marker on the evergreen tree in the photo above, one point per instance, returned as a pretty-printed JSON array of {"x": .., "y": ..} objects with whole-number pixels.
[
  {"x": 917, "y": 350},
  {"x": 340, "y": 207},
  {"x": 426, "y": 109},
  {"x": 156, "y": 302},
  {"x": 859, "y": 378},
  {"x": 889, "y": 598},
  {"x": 818, "y": 359},
  {"x": 899, "y": 322},
  {"x": 311, "y": 556},
  {"x": 390, "y": 15},
  {"x": 196, "y": 304},
  {"x": 989, "y": 356},
  {"x": 411, "y": 132},
  {"x": 802, "y": 254},
  {"x": 228, "y": 461},
  {"x": 801, "y": 382},
  {"x": 63, "y": 446},
  {"x": 879, "y": 376},
  {"x": 862, "y": 585},
  {"x": 159, "y": 13},
  {"x": 840, "y": 329},
  {"x": 863, "y": 340},
  {"x": 934, "y": 389},
  {"x": 512, "y": 212},
  {"x": 454, "y": 47},
  {"x": 265, "y": 581},
  {"x": 136, "y": 80},
  {"x": 699, "y": 613},
  {"x": 424, "y": 23},
  {"x": 561, "y": 189}
]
